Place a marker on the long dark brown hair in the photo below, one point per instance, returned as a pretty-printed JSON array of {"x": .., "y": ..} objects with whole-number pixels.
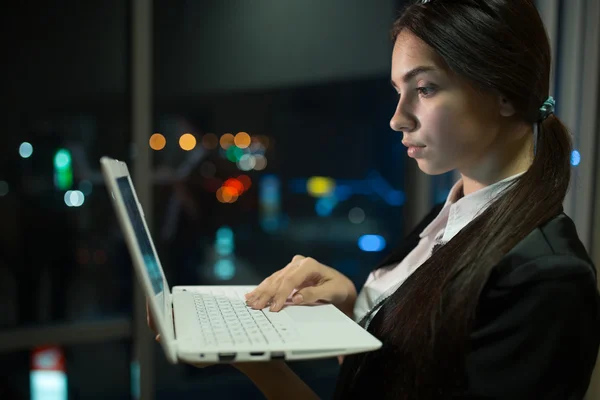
[{"x": 499, "y": 46}]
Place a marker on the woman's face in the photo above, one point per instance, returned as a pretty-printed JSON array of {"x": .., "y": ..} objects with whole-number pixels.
[{"x": 458, "y": 126}]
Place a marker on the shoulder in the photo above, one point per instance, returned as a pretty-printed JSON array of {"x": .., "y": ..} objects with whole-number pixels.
[
  {"x": 541, "y": 300},
  {"x": 552, "y": 251}
]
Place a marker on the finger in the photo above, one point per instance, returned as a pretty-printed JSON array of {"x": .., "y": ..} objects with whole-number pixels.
[
  {"x": 253, "y": 295},
  {"x": 264, "y": 294},
  {"x": 329, "y": 291},
  {"x": 257, "y": 291},
  {"x": 261, "y": 293},
  {"x": 157, "y": 338},
  {"x": 295, "y": 278},
  {"x": 297, "y": 258}
]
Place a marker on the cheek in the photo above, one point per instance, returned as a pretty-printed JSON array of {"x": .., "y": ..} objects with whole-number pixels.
[{"x": 451, "y": 128}]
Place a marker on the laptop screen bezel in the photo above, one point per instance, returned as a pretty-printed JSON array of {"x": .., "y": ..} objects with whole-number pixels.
[{"x": 162, "y": 311}]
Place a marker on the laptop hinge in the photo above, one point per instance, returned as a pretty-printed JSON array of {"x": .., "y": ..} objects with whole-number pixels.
[{"x": 172, "y": 311}]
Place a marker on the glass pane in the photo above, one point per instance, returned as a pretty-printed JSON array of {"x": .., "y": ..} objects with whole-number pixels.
[
  {"x": 61, "y": 254},
  {"x": 73, "y": 372},
  {"x": 271, "y": 138}
]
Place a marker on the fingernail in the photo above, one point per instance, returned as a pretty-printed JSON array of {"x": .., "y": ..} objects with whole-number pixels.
[
  {"x": 298, "y": 298},
  {"x": 274, "y": 306}
]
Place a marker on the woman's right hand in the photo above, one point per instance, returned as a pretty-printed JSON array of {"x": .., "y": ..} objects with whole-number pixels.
[{"x": 313, "y": 281}]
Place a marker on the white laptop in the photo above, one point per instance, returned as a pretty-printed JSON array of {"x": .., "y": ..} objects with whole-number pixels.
[{"x": 213, "y": 323}]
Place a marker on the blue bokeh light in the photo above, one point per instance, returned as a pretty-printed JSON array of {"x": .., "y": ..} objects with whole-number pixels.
[
  {"x": 325, "y": 205},
  {"x": 575, "y": 158},
  {"x": 371, "y": 243},
  {"x": 25, "y": 150},
  {"x": 224, "y": 269}
]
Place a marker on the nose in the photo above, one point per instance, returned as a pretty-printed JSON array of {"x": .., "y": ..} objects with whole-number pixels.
[{"x": 402, "y": 120}]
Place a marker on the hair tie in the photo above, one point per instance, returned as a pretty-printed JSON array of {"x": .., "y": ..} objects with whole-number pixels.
[{"x": 546, "y": 109}]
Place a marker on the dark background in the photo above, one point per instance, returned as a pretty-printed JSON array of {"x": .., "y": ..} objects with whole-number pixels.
[{"x": 311, "y": 76}]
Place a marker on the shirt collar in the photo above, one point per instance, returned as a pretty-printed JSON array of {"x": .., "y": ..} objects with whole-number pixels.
[{"x": 459, "y": 211}]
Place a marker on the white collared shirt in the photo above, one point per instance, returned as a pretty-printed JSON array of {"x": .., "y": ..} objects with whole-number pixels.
[{"x": 454, "y": 216}]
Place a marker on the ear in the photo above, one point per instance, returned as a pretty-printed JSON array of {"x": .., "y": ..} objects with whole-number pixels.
[{"x": 506, "y": 108}]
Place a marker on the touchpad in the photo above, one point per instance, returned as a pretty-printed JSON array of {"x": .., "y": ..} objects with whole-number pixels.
[{"x": 322, "y": 313}]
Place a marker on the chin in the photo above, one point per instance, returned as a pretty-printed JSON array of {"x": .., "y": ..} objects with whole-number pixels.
[{"x": 429, "y": 169}]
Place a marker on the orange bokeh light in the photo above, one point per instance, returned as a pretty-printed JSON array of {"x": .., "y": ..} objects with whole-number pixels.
[
  {"x": 242, "y": 140},
  {"x": 210, "y": 141},
  {"x": 227, "y": 194},
  {"x": 187, "y": 141},
  {"x": 157, "y": 142},
  {"x": 226, "y": 141},
  {"x": 246, "y": 181},
  {"x": 235, "y": 185}
]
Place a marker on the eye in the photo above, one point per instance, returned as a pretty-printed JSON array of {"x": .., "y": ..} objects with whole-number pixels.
[{"x": 426, "y": 91}]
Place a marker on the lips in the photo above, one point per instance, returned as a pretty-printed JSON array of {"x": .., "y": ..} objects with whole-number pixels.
[{"x": 410, "y": 144}]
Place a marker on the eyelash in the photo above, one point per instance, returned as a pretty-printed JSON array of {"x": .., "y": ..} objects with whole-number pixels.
[
  {"x": 425, "y": 91},
  {"x": 421, "y": 91}
]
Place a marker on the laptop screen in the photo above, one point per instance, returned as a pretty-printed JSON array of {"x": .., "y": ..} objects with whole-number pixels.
[{"x": 141, "y": 234}]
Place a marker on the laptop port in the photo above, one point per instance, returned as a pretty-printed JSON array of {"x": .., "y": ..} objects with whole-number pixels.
[
  {"x": 226, "y": 357},
  {"x": 257, "y": 354},
  {"x": 277, "y": 355}
]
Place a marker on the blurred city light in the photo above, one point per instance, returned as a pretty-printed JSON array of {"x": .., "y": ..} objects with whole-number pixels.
[
  {"x": 236, "y": 186},
  {"x": 269, "y": 197},
  {"x": 371, "y": 243},
  {"x": 260, "y": 162},
  {"x": 246, "y": 181},
  {"x": 575, "y": 158},
  {"x": 157, "y": 142},
  {"x": 257, "y": 147},
  {"x": 246, "y": 162},
  {"x": 187, "y": 142},
  {"x": 63, "y": 172},
  {"x": 25, "y": 150},
  {"x": 48, "y": 377},
  {"x": 226, "y": 194},
  {"x": 210, "y": 141},
  {"x": 74, "y": 198},
  {"x": 242, "y": 140},
  {"x": 226, "y": 141},
  {"x": 356, "y": 215},
  {"x": 264, "y": 140},
  {"x": 224, "y": 269},
  {"x": 319, "y": 186},
  {"x": 62, "y": 158},
  {"x": 224, "y": 244},
  {"x": 324, "y": 206},
  {"x": 234, "y": 153}
]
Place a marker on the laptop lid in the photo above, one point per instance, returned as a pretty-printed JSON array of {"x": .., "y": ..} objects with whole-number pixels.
[{"x": 141, "y": 248}]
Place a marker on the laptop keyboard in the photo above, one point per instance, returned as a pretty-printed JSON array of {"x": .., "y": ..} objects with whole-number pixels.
[{"x": 225, "y": 319}]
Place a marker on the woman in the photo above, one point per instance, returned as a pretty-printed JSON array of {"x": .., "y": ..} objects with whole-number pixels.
[{"x": 493, "y": 295}]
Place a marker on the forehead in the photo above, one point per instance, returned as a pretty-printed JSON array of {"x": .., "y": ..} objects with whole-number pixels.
[{"x": 410, "y": 52}]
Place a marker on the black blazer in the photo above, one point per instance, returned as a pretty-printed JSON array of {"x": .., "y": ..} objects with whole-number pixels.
[{"x": 537, "y": 330}]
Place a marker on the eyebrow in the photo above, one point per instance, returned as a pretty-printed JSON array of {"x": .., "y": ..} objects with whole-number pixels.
[{"x": 414, "y": 72}]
